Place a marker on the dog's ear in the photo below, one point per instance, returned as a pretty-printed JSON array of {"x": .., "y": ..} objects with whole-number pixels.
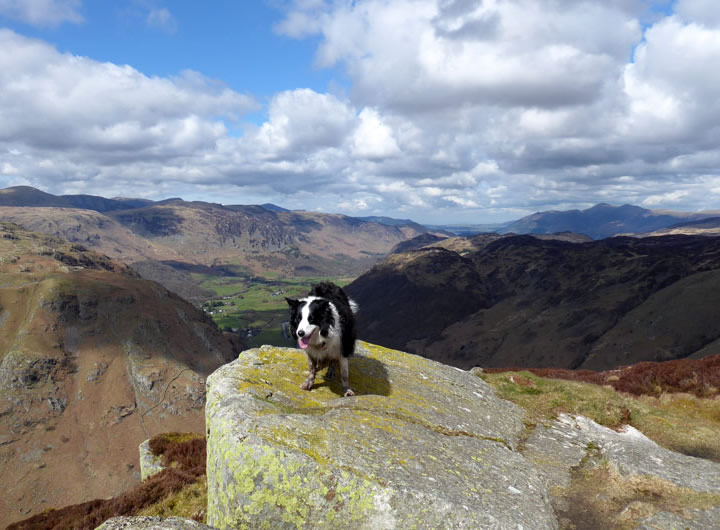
[
  {"x": 292, "y": 302},
  {"x": 322, "y": 304}
]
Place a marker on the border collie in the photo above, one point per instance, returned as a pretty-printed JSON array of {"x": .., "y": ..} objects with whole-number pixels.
[{"x": 323, "y": 324}]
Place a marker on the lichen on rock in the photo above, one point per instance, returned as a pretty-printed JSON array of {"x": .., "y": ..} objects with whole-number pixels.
[{"x": 421, "y": 445}]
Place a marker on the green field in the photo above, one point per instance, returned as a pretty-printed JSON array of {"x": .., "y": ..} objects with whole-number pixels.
[{"x": 253, "y": 306}]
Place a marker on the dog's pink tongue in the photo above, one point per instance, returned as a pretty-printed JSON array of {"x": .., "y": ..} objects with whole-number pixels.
[{"x": 303, "y": 342}]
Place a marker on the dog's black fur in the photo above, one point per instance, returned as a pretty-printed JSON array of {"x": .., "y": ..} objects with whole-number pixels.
[{"x": 323, "y": 324}]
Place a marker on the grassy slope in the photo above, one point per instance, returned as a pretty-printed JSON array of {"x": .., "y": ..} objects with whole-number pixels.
[{"x": 679, "y": 421}]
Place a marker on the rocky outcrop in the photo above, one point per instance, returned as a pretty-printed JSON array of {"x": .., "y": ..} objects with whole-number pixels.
[
  {"x": 628, "y": 450},
  {"x": 150, "y": 463},
  {"x": 656, "y": 487},
  {"x": 421, "y": 445},
  {"x": 424, "y": 445}
]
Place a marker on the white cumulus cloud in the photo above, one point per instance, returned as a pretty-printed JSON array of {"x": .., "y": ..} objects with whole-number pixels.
[
  {"x": 373, "y": 138},
  {"x": 455, "y": 109}
]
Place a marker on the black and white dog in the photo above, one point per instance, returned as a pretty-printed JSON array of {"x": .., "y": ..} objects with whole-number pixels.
[{"x": 323, "y": 324}]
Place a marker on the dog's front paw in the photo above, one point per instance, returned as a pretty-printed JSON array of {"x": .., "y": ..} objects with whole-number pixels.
[
  {"x": 349, "y": 393},
  {"x": 307, "y": 385}
]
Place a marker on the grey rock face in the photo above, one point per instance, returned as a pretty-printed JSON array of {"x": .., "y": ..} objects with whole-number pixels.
[
  {"x": 152, "y": 523},
  {"x": 568, "y": 444},
  {"x": 421, "y": 445},
  {"x": 22, "y": 370},
  {"x": 149, "y": 463},
  {"x": 629, "y": 450},
  {"x": 694, "y": 520}
]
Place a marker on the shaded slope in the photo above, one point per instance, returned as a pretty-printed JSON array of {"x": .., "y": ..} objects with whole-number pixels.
[
  {"x": 674, "y": 322},
  {"x": 533, "y": 302},
  {"x": 93, "y": 360},
  {"x": 416, "y": 295},
  {"x": 416, "y": 242}
]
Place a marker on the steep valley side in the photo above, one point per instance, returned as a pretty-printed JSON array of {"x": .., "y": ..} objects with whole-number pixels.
[
  {"x": 93, "y": 360},
  {"x": 528, "y": 302}
]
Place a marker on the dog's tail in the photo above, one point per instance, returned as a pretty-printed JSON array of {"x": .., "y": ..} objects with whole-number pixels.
[{"x": 354, "y": 307}]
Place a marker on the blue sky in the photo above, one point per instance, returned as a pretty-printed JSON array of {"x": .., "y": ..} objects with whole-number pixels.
[
  {"x": 438, "y": 110},
  {"x": 229, "y": 41}
]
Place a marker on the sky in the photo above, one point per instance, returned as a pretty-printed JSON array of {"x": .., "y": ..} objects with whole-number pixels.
[{"x": 442, "y": 111}]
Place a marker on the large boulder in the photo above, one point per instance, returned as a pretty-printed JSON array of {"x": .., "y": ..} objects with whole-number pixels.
[{"x": 421, "y": 445}]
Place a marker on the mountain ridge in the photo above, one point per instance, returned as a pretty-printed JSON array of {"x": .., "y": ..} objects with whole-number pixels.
[{"x": 251, "y": 238}]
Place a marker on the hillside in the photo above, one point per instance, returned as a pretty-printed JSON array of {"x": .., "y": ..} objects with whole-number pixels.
[
  {"x": 177, "y": 233},
  {"x": 291, "y": 243},
  {"x": 703, "y": 227},
  {"x": 525, "y": 301},
  {"x": 93, "y": 360}
]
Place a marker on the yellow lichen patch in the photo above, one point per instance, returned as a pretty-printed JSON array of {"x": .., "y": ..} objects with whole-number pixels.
[
  {"x": 282, "y": 371},
  {"x": 394, "y": 386},
  {"x": 278, "y": 491},
  {"x": 179, "y": 437}
]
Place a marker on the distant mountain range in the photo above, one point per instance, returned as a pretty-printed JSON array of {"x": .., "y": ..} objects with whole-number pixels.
[
  {"x": 598, "y": 222},
  {"x": 165, "y": 239},
  {"x": 546, "y": 301},
  {"x": 602, "y": 220},
  {"x": 28, "y": 196}
]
